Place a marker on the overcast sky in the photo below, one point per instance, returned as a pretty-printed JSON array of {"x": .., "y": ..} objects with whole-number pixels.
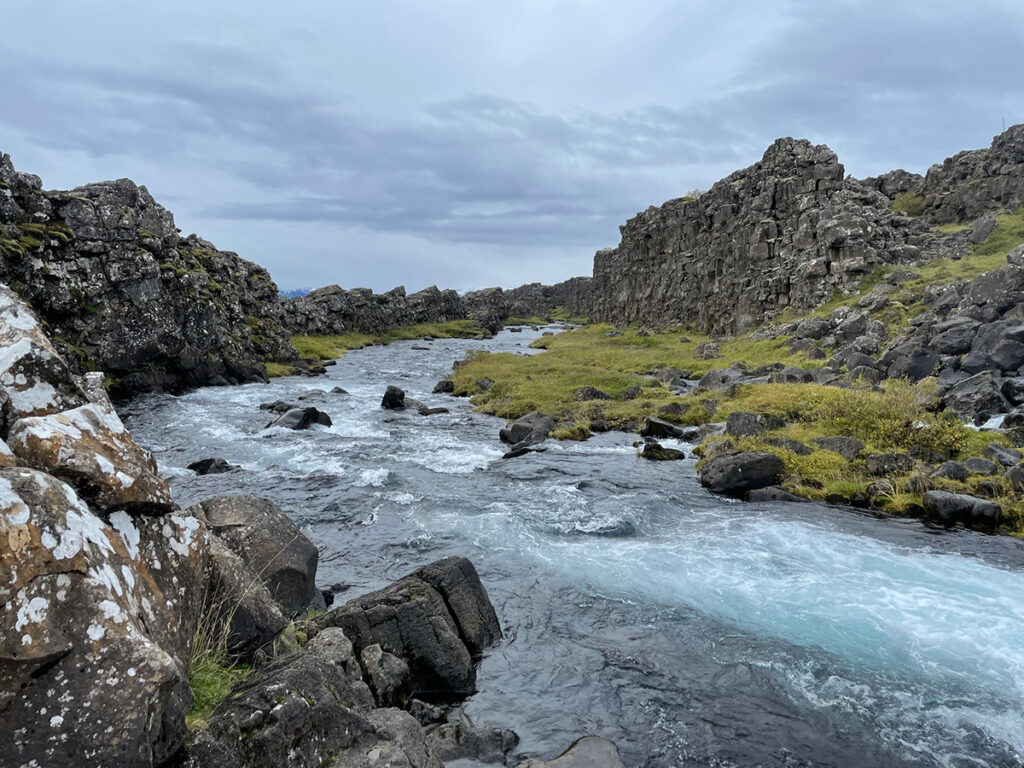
[{"x": 474, "y": 143}]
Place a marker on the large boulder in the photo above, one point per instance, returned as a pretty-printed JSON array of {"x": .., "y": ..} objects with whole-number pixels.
[
  {"x": 660, "y": 428},
  {"x": 300, "y": 710},
  {"x": 527, "y": 430},
  {"x": 740, "y": 424},
  {"x": 89, "y": 448},
  {"x": 736, "y": 473},
  {"x": 978, "y": 398},
  {"x": 260, "y": 532},
  {"x": 97, "y": 627},
  {"x": 436, "y": 620},
  {"x": 332, "y": 645},
  {"x": 459, "y": 738},
  {"x": 952, "y": 508}
]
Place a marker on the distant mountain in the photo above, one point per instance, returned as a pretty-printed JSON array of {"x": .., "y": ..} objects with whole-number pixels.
[{"x": 294, "y": 293}]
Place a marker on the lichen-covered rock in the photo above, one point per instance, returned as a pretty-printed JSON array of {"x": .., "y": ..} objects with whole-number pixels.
[
  {"x": 97, "y": 623},
  {"x": 436, "y": 620},
  {"x": 34, "y": 378},
  {"x": 332, "y": 645},
  {"x": 388, "y": 675},
  {"x": 259, "y": 532},
  {"x": 104, "y": 265},
  {"x": 89, "y": 448}
]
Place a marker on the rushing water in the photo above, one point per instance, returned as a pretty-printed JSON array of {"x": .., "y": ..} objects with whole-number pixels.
[{"x": 691, "y": 629}]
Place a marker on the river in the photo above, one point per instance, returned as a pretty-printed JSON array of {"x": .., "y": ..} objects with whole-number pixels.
[{"x": 691, "y": 629}]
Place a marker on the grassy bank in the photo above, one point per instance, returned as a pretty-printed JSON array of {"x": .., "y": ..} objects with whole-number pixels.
[{"x": 334, "y": 346}]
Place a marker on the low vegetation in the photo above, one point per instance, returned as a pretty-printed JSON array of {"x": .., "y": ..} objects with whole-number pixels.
[{"x": 335, "y": 346}]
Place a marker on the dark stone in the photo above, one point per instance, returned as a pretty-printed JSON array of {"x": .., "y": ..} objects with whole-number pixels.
[
  {"x": 952, "y": 508},
  {"x": 655, "y": 452},
  {"x": 1008, "y": 355},
  {"x": 591, "y": 393},
  {"x": 444, "y": 386},
  {"x": 977, "y": 398},
  {"x": 278, "y": 406},
  {"x": 387, "y": 675},
  {"x": 332, "y": 645},
  {"x": 600, "y": 425},
  {"x": 214, "y": 466},
  {"x": 917, "y": 365},
  {"x": 979, "y": 466},
  {"x": 1013, "y": 391},
  {"x": 259, "y": 532},
  {"x": 632, "y": 393},
  {"x": 1008, "y": 457},
  {"x": 301, "y": 418},
  {"x": 394, "y": 398},
  {"x": 741, "y": 424},
  {"x": 952, "y": 470},
  {"x": 955, "y": 341},
  {"x": 459, "y": 738},
  {"x": 435, "y": 620},
  {"x": 847, "y": 447},
  {"x": 787, "y": 444},
  {"x": 528, "y": 430},
  {"x": 659, "y": 428},
  {"x": 880, "y": 464},
  {"x": 975, "y": 362},
  {"x": 1016, "y": 476},
  {"x": 737, "y": 473}
]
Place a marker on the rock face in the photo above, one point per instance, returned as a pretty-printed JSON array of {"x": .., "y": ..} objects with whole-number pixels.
[
  {"x": 333, "y": 309},
  {"x": 787, "y": 232},
  {"x": 122, "y": 291},
  {"x": 588, "y": 752}
]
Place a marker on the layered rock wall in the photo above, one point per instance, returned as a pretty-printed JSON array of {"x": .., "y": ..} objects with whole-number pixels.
[
  {"x": 788, "y": 231},
  {"x": 334, "y": 310}
]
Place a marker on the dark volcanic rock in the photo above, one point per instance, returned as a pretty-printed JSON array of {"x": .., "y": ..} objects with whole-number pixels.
[
  {"x": 979, "y": 466},
  {"x": 737, "y": 473},
  {"x": 660, "y": 428},
  {"x": 741, "y": 424},
  {"x": 106, "y": 268},
  {"x": 527, "y": 430},
  {"x": 953, "y": 470},
  {"x": 261, "y": 533},
  {"x": 953, "y": 508},
  {"x": 301, "y": 418},
  {"x": 214, "y": 466},
  {"x": 394, "y": 398},
  {"x": 460, "y": 738},
  {"x": 591, "y": 393},
  {"x": 444, "y": 386},
  {"x": 435, "y": 620},
  {"x": 880, "y": 464},
  {"x": 847, "y": 447},
  {"x": 655, "y": 452}
]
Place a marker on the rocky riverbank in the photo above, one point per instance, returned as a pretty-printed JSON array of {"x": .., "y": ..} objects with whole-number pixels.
[{"x": 125, "y": 612}]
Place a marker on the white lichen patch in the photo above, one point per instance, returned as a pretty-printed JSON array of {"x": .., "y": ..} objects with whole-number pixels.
[
  {"x": 31, "y": 612},
  {"x": 122, "y": 523}
]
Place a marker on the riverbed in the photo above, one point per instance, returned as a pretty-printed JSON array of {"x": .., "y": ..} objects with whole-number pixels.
[{"x": 691, "y": 629}]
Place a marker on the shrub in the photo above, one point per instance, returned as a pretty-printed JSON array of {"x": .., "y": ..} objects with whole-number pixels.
[{"x": 909, "y": 203}]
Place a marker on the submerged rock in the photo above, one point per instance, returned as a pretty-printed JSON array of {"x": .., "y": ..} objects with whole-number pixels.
[
  {"x": 301, "y": 418},
  {"x": 213, "y": 466},
  {"x": 656, "y": 452},
  {"x": 588, "y": 752}
]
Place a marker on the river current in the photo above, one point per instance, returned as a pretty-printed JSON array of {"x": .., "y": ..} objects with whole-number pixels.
[{"x": 690, "y": 629}]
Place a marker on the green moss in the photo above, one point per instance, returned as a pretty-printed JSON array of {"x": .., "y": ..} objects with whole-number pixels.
[
  {"x": 953, "y": 227},
  {"x": 579, "y": 430},
  {"x": 563, "y": 315},
  {"x": 525, "y": 321},
  {"x": 276, "y": 370},
  {"x": 909, "y": 203},
  {"x": 211, "y": 679}
]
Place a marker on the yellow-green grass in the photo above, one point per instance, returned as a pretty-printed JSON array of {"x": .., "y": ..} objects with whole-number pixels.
[
  {"x": 335, "y": 346},
  {"x": 525, "y": 321},
  {"x": 211, "y": 680},
  {"x": 587, "y": 357},
  {"x": 276, "y": 370}
]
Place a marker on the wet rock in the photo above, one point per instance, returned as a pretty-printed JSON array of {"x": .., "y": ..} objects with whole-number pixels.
[
  {"x": 977, "y": 398},
  {"x": 435, "y": 620},
  {"x": 979, "y": 466},
  {"x": 527, "y": 430},
  {"x": 213, "y": 466},
  {"x": 591, "y": 393},
  {"x": 259, "y": 532},
  {"x": 588, "y": 752},
  {"x": 297, "y": 710},
  {"x": 952, "y": 508},
  {"x": 773, "y": 493},
  {"x": 655, "y": 452},
  {"x": 444, "y": 386},
  {"x": 93, "y": 607},
  {"x": 89, "y": 448},
  {"x": 880, "y": 464},
  {"x": 741, "y": 424},
  {"x": 388, "y": 676},
  {"x": 394, "y": 398},
  {"x": 1008, "y": 457},
  {"x": 735, "y": 474},
  {"x": 277, "y": 406},
  {"x": 300, "y": 418},
  {"x": 659, "y": 428},
  {"x": 952, "y": 470},
  {"x": 847, "y": 447}
]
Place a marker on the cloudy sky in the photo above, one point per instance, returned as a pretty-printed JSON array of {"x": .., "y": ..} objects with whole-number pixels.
[{"x": 469, "y": 143}]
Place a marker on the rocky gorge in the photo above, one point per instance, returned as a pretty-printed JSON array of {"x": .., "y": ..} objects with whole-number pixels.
[{"x": 792, "y": 295}]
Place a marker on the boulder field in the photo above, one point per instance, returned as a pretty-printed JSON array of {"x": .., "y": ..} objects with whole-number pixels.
[{"x": 114, "y": 597}]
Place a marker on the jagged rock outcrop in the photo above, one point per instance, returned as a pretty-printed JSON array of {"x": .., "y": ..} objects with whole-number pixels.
[
  {"x": 971, "y": 183},
  {"x": 788, "y": 231},
  {"x": 122, "y": 291},
  {"x": 332, "y": 310}
]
